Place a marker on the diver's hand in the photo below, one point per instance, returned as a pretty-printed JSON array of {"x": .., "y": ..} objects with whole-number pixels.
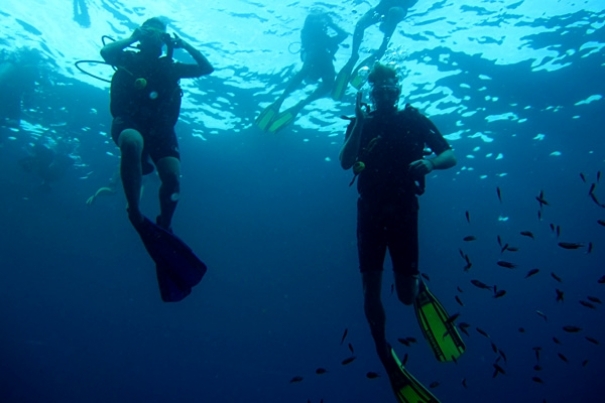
[
  {"x": 421, "y": 167},
  {"x": 360, "y": 114},
  {"x": 177, "y": 42}
]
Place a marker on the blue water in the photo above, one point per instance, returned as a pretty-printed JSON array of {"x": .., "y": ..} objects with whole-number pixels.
[{"x": 516, "y": 87}]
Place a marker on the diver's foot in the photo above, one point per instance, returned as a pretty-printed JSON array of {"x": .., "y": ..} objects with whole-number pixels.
[{"x": 135, "y": 217}]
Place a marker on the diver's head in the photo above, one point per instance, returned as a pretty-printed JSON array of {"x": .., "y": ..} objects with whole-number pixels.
[
  {"x": 153, "y": 36},
  {"x": 385, "y": 90}
]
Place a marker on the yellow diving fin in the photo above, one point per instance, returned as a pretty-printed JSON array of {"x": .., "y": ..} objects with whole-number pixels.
[
  {"x": 266, "y": 116},
  {"x": 441, "y": 333},
  {"x": 407, "y": 388},
  {"x": 283, "y": 119},
  {"x": 342, "y": 82}
]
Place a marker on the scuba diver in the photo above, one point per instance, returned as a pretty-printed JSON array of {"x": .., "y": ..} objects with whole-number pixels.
[
  {"x": 318, "y": 47},
  {"x": 49, "y": 160},
  {"x": 145, "y": 105},
  {"x": 19, "y": 72},
  {"x": 388, "y": 13},
  {"x": 384, "y": 148}
]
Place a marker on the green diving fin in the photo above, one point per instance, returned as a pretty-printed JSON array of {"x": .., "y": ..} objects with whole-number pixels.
[
  {"x": 342, "y": 82},
  {"x": 266, "y": 116},
  {"x": 283, "y": 119},
  {"x": 442, "y": 335},
  {"x": 407, "y": 388},
  {"x": 361, "y": 72}
]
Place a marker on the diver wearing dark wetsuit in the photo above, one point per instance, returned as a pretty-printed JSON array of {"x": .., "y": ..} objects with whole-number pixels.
[
  {"x": 385, "y": 150},
  {"x": 145, "y": 104}
]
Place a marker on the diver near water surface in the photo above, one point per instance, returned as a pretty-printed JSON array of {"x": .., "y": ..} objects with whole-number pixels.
[
  {"x": 384, "y": 148},
  {"x": 145, "y": 105},
  {"x": 388, "y": 13},
  {"x": 320, "y": 38}
]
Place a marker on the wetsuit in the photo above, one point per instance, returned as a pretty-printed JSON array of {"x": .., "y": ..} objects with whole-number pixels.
[
  {"x": 387, "y": 209},
  {"x": 146, "y": 96}
]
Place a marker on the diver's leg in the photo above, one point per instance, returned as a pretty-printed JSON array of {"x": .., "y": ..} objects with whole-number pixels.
[
  {"x": 393, "y": 17},
  {"x": 370, "y": 18},
  {"x": 292, "y": 85},
  {"x": 130, "y": 142},
  {"x": 403, "y": 248},
  {"x": 169, "y": 170}
]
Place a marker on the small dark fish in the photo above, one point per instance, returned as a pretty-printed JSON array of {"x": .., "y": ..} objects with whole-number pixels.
[
  {"x": 553, "y": 275},
  {"x": 537, "y": 368},
  {"x": 403, "y": 341},
  {"x": 459, "y": 289},
  {"x": 570, "y": 245},
  {"x": 507, "y": 265},
  {"x": 592, "y": 188},
  {"x": 512, "y": 249},
  {"x": 372, "y": 375},
  {"x": 321, "y": 371},
  {"x": 572, "y": 329},
  {"x": 539, "y": 215},
  {"x": 499, "y": 369},
  {"x": 594, "y": 299},
  {"x": 296, "y": 379},
  {"x": 499, "y": 240},
  {"x": 494, "y": 348},
  {"x": 452, "y": 318},
  {"x": 464, "y": 383},
  {"x": 540, "y": 313},
  {"x": 351, "y": 348},
  {"x": 587, "y": 305},
  {"x": 521, "y": 330},
  {"x": 504, "y": 248},
  {"x": 405, "y": 359},
  {"x": 592, "y": 340},
  {"x": 540, "y": 198},
  {"x": 601, "y": 280},
  {"x": 499, "y": 194},
  {"x": 482, "y": 332},
  {"x": 532, "y": 272},
  {"x": 560, "y": 296},
  {"x": 469, "y": 238},
  {"x": 349, "y": 360},
  {"x": 463, "y": 326},
  {"x": 462, "y": 254},
  {"x": 481, "y": 285},
  {"x": 601, "y": 222},
  {"x": 562, "y": 357},
  {"x": 584, "y": 363},
  {"x": 468, "y": 216},
  {"x": 558, "y": 231},
  {"x": 537, "y": 380},
  {"x": 557, "y": 341},
  {"x": 537, "y": 351},
  {"x": 589, "y": 249},
  {"x": 433, "y": 385},
  {"x": 411, "y": 340},
  {"x": 598, "y": 176},
  {"x": 527, "y": 234},
  {"x": 582, "y": 177},
  {"x": 457, "y": 298},
  {"x": 552, "y": 227},
  {"x": 468, "y": 265},
  {"x": 344, "y": 336},
  {"x": 502, "y": 355},
  {"x": 425, "y": 276},
  {"x": 594, "y": 199},
  {"x": 500, "y": 294}
]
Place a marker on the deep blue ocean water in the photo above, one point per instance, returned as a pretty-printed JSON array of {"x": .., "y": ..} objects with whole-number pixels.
[{"x": 516, "y": 86}]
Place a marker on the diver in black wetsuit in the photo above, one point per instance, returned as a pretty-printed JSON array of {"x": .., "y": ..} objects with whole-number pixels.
[
  {"x": 385, "y": 150},
  {"x": 145, "y": 105}
]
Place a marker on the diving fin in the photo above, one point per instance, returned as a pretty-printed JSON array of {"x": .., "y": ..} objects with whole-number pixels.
[
  {"x": 342, "y": 81},
  {"x": 267, "y": 115},
  {"x": 441, "y": 334},
  {"x": 407, "y": 388},
  {"x": 283, "y": 119},
  {"x": 178, "y": 269},
  {"x": 361, "y": 72}
]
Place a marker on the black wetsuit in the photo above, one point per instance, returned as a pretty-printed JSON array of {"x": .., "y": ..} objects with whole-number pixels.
[
  {"x": 146, "y": 96},
  {"x": 387, "y": 209}
]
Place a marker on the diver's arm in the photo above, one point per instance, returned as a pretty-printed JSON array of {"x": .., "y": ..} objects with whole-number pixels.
[
  {"x": 350, "y": 149},
  {"x": 112, "y": 50},
  {"x": 445, "y": 160},
  {"x": 341, "y": 34},
  {"x": 203, "y": 65}
]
